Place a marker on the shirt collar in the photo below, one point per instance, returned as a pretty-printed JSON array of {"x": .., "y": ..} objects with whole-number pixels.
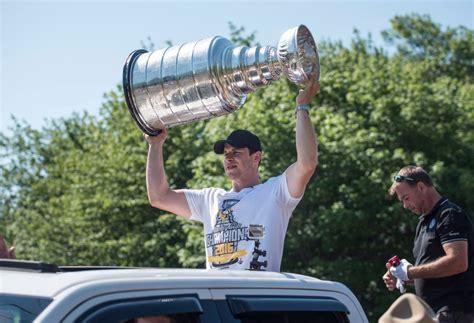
[{"x": 435, "y": 208}]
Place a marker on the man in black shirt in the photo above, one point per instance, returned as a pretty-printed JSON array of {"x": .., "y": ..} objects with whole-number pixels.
[{"x": 443, "y": 273}]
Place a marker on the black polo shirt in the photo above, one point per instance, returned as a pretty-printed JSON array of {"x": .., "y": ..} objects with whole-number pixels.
[{"x": 446, "y": 223}]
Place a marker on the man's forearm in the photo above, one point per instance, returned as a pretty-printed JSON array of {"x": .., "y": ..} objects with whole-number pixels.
[
  {"x": 156, "y": 181},
  {"x": 306, "y": 144},
  {"x": 442, "y": 267}
]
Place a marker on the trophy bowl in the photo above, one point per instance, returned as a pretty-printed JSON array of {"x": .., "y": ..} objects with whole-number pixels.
[{"x": 298, "y": 55}]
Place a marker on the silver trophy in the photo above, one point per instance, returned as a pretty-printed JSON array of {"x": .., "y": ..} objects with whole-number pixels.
[{"x": 210, "y": 77}]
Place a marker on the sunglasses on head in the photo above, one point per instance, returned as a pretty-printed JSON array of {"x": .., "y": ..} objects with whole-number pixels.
[{"x": 401, "y": 178}]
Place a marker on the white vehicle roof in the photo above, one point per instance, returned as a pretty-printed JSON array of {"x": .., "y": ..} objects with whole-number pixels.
[
  {"x": 68, "y": 287},
  {"x": 45, "y": 284}
]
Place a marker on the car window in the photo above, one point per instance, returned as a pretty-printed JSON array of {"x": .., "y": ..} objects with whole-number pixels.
[
  {"x": 169, "y": 309},
  {"x": 176, "y": 318},
  {"x": 284, "y": 309},
  {"x": 295, "y": 317},
  {"x": 19, "y": 308}
]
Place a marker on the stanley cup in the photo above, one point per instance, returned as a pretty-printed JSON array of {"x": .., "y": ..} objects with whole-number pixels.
[{"x": 210, "y": 77}]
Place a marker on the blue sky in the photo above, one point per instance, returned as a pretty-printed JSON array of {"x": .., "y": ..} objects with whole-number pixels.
[{"x": 61, "y": 57}]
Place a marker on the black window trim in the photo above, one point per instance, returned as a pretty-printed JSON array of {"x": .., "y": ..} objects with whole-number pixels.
[{"x": 245, "y": 304}]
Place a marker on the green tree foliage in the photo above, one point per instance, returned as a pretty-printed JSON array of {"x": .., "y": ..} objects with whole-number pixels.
[{"x": 74, "y": 192}]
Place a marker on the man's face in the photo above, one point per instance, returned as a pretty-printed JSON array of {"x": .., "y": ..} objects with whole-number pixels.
[
  {"x": 238, "y": 162},
  {"x": 411, "y": 197}
]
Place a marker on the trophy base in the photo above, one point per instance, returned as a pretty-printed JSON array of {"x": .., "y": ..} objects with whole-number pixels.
[{"x": 127, "y": 89}]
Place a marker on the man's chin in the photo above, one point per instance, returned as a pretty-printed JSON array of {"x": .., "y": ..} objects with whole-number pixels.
[{"x": 232, "y": 175}]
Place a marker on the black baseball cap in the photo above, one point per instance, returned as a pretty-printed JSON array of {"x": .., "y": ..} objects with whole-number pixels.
[{"x": 239, "y": 138}]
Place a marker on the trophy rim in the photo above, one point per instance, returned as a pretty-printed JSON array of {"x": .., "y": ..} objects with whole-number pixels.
[
  {"x": 288, "y": 46},
  {"x": 316, "y": 65},
  {"x": 127, "y": 89}
]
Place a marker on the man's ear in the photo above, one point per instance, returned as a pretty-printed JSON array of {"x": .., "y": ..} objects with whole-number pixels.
[
  {"x": 421, "y": 186},
  {"x": 257, "y": 156}
]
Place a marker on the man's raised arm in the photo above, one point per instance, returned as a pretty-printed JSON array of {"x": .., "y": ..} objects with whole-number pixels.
[
  {"x": 159, "y": 193},
  {"x": 299, "y": 173}
]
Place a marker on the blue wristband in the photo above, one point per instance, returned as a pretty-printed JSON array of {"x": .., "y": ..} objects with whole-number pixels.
[{"x": 302, "y": 107}]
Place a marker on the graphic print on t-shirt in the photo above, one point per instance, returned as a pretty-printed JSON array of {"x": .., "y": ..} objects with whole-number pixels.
[{"x": 225, "y": 237}]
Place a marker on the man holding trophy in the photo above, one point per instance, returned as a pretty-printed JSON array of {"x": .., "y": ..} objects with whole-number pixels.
[
  {"x": 226, "y": 215},
  {"x": 210, "y": 78}
]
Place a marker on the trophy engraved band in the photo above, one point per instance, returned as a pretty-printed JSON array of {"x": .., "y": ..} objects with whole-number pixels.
[{"x": 210, "y": 77}]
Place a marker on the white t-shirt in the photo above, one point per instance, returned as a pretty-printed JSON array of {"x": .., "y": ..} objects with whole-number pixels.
[{"x": 226, "y": 216}]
